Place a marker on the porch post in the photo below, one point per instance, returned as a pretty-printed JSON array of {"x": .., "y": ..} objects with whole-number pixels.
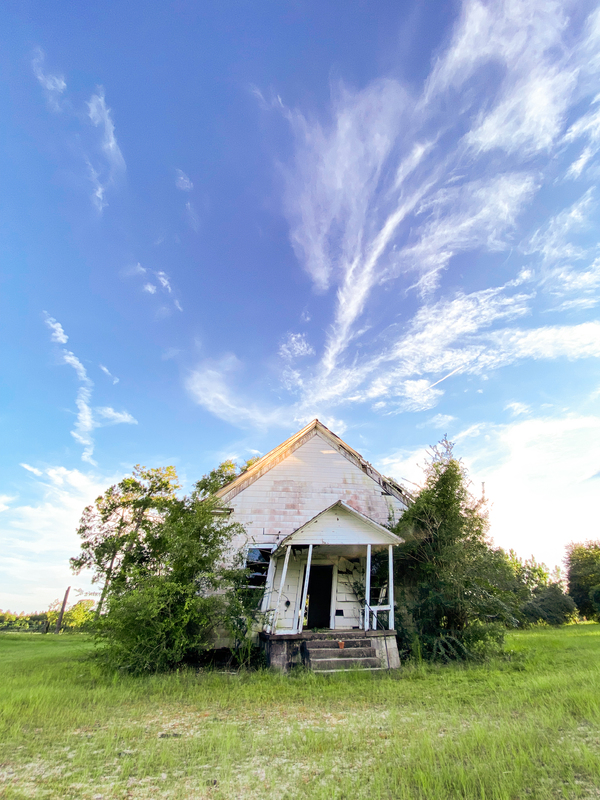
[
  {"x": 368, "y": 589},
  {"x": 300, "y": 619},
  {"x": 391, "y": 586},
  {"x": 281, "y": 583}
]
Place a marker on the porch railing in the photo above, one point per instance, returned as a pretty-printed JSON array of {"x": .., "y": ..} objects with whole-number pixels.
[{"x": 368, "y": 610}]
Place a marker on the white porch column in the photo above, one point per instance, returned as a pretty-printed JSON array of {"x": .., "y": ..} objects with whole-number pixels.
[
  {"x": 368, "y": 589},
  {"x": 300, "y": 620},
  {"x": 281, "y": 583},
  {"x": 391, "y": 586}
]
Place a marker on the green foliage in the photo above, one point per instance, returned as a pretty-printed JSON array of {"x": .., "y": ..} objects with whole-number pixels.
[
  {"x": 595, "y": 597},
  {"x": 209, "y": 484},
  {"x": 530, "y": 576},
  {"x": 226, "y": 472},
  {"x": 551, "y": 605},
  {"x": 157, "y": 625},
  {"x": 80, "y": 616},
  {"x": 168, "y": 612},
  {"x": 121, "y": 531},
  {"x": 583, "y": 575},
  {"x": 446, "y": 573}
]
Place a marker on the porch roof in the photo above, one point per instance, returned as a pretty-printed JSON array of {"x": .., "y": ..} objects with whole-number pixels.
[{"x": 340, "y": 524}]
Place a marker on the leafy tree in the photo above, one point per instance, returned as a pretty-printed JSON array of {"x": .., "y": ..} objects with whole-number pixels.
[
  {"x": 121, "y": 529},
  {"x": 209, "y": 484},
  {"x": 166, "y": 616},
  {"x": 80, "y": 615},
  {"x": 583, "y": 575},
  {"x": 551, "y": 605},
  {"x": 226, "y": 472},
  {"x": 446, "y": 571},
  {"x": 530, "y": 575}
]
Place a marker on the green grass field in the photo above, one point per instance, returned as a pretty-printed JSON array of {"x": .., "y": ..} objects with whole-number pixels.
[{"x": 528, "y": 727}]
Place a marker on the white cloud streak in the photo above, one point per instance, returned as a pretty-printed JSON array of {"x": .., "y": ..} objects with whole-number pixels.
[
  {"x": 34, "y": 470},
  {"x": 107, "y": 372},
  {"x": 88, "y": 419},
  {"x": 102, "y": 176},
  {"x": 210, "y": 386},
  {"x": 103, "y": 159},
  {"x": 394, "y": 186},
  {"x": 58, "y": 334},
  {"x": 182, "y": 181},
  {"x": 54, "y": 85},
  {"x": 100, "y": 116}
]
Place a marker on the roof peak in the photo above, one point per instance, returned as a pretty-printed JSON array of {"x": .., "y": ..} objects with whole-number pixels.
[{"x": 277, "y": 454}]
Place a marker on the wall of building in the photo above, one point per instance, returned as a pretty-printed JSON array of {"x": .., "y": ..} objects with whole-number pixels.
[{"x": 309, "y": 480}]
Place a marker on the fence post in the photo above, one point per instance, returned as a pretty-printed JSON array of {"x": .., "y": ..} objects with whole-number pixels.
[{"x": 62, "y": 611}]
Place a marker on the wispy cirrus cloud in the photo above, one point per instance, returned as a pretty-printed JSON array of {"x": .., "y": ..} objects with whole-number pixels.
[
  {"x": 58, "y": 334},
  {"x": 296, "y": 346},
  {"x": 34, "y": 470},
  {"x": 103, "y": 159},
  {"x": 108, "y": 374},
  {"x": 395, "y": 189},
  {"x": 161, "y": 288},
  {"x": 183, "y": 182},
  {"x": 88, "y": 418},
  {"x": 212, "y": 385},
  {"x": 105, "y": 173},
  {"x": 54, "y": 84}
]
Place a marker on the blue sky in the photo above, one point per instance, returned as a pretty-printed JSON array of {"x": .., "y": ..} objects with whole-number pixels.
[{"x": 220, "y": 220}]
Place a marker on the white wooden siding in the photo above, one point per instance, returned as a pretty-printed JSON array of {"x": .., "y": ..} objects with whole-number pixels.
[
  {"x": 295, "y": 490},
  {"x": 337, "y": 527}
]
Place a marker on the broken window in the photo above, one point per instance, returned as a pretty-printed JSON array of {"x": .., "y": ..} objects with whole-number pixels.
[
  {"x": 257, "y": 564},
  {"x": 257, "y": 561}
]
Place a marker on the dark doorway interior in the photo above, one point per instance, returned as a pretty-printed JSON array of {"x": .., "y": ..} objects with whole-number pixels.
[{"x": 319, "y": 596}]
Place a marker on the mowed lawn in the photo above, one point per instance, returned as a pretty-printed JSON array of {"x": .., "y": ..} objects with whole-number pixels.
[{"x": 528, "y": 727}]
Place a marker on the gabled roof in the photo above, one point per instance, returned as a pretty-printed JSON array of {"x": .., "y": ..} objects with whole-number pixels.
[
  {"x": 319, "y": 530},
  {"x": 278, "y": 454}
]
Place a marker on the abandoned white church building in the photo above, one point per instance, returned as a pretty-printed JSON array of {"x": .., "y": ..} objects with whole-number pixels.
[{"x": 315, "y": 515}]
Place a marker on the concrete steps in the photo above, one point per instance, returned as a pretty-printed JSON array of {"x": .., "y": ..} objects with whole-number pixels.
[{"x": 325, "y": 655}]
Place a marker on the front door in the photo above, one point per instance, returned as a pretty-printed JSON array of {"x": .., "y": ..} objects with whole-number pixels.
[{"x": 319, "y": 596}]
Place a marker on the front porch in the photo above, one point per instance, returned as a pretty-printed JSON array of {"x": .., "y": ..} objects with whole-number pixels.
[{"x": 321, "y": 585}]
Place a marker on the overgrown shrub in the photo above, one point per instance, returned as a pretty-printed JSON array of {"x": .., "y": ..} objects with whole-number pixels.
[
  {"x": 449, "y": 606},
  {"x": 158, "y": 625},
  {"x": 166, "y": 609}
]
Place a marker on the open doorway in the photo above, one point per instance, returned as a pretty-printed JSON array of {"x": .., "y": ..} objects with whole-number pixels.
[{"x": 319, "y": 596}]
